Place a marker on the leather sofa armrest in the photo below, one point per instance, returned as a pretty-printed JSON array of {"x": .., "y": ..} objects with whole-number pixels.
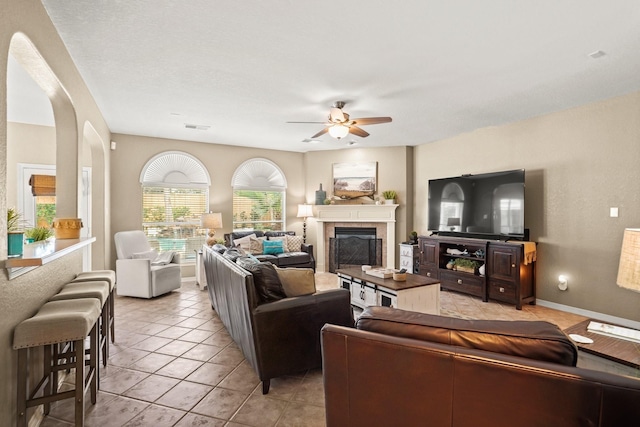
[
  {"x": 536, "y": 340},
  {"x": 308, "y": 249}
]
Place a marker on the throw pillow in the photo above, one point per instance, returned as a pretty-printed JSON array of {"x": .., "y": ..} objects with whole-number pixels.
[
  {"x": 266, "y": 281},
  {"x": 151, "y": 255},
  {"x": 297, "y": 281},
  {"x": 272, "y": 247},
  {"x": 282, "y": 239},
  {"x": 233, "y": 254},
  {"x": 294, "y": 243},
  {"x": 244, "y": 242},
  {"x": 219, "y": 248},
  {"x": 245, "y": 261},
  {"x": 255, "y": 247}
]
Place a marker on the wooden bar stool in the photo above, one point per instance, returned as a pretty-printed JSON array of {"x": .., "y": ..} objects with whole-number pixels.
[
  {"x": 58, "y": 322},
  {"x": 103, "y": 275},
  {"x": 91, "y": 289}
]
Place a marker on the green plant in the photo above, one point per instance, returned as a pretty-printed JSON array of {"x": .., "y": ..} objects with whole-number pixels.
[
  {"x": 38, "y": 233},
  {"x": 462, "y": 262},
  {"x": 327, "y": 201},
  {"x": 14, "y": 220},
  {"x": 389, "y": 194}
]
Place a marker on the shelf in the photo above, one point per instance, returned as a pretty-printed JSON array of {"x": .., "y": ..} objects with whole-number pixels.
[{"x": 40, "y": 253}]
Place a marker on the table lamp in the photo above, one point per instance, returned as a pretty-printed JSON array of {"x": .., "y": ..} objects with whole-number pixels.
[
  {"x": 211, "y": 221},
  {"x": 629, "y": 268},
  {"x": 452, "y": 223},
  {"x": 305, "y": 211}
]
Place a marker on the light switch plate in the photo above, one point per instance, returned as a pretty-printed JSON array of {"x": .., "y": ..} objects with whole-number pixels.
[{"x": 613, "y": 212}]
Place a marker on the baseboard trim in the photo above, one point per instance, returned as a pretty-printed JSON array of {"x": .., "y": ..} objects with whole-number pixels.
[{"x": 591, "y": 314}]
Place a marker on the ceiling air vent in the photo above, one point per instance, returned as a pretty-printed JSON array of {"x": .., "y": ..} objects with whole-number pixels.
[{"x": 196, "y": 127}]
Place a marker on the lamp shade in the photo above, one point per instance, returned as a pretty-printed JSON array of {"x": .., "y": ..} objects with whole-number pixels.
[
  {"x": 629, "y": 268},
  {"x": 211, "y": 220},
  {"x": 453, "y": 222},
  {"x": 338, "y": 131},
  {"x": 305, "y": 211}
]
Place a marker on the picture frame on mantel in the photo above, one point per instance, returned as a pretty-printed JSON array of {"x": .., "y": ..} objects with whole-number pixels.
[{"x": 355, "y": 179}]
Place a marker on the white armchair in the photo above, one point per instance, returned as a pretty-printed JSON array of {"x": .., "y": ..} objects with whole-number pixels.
[{"x": 140, "y": 272}]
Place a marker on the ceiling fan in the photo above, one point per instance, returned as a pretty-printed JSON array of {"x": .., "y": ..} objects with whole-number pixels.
[{"x": 340, "y": 125}]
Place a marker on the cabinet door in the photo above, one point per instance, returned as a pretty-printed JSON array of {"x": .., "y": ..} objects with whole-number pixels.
[
  {"x": 428, "y": 252},
  {"x": 503, "y": 262}
]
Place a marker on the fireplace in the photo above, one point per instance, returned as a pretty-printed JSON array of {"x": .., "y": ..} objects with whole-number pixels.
[
  {"x": 354, "y": 246},
  {"x": 354, "y": 217}
]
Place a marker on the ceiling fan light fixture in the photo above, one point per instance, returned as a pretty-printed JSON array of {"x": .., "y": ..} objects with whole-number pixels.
[{"x": 338, "y": 131}]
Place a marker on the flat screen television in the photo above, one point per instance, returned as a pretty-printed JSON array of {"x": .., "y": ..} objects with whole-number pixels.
[{"x": 488, "y": 205}]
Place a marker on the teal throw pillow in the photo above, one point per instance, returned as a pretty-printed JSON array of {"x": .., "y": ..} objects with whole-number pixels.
[{"x": 272, "y": 247}]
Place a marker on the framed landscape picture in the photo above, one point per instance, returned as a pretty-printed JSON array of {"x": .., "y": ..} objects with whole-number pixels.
[{"x": 355, "y": 179}]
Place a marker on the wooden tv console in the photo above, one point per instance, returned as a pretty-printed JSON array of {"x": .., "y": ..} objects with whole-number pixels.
[{"x": 506, "y": 278}]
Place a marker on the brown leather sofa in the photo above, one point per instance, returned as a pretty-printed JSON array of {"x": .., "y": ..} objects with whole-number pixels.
[
  {"x": 300, "y": 259},
  {"x": 409, "y": 369},
  {"x": 277, "y": 338}
]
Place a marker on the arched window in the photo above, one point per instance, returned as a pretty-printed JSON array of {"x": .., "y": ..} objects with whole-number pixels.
[
  {"x": 259, "y": 189},
  {"x": 451, "y": 207},
  {"x": 175, "y": 193}
]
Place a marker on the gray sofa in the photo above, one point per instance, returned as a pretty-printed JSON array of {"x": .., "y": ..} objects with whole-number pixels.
[
  {"x": 303, "y": 258},
  {"x": 277, "y": 338}
]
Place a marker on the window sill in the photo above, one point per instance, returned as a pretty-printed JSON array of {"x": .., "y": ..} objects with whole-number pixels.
[{"x": 40, "y": 253}]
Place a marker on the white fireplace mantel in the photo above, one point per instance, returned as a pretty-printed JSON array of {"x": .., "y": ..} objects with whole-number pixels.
[{"x": 354, "y": 214}]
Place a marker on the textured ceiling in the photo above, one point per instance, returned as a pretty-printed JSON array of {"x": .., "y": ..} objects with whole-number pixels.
[{"x": 438, "y": 68}]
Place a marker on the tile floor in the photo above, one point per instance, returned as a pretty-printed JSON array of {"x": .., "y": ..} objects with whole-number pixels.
[{"x": 174, "y": 364}]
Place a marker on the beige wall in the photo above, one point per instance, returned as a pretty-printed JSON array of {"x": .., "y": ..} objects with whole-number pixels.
[
  {"x": 578, "y": 163},
  {"x": 79, "y": 128},
  {"x": 394, "y": 173},
  {"x": 133, "y": 152}
]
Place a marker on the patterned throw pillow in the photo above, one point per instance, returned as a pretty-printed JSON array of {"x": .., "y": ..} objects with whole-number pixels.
[
  {"x": 256, "y": 245},
  {"x": 272, "y": 247},
  {"x": 282, "y": 239},
  {"x": 244, "y": 242},
  {"x": 294, "y": 243}
]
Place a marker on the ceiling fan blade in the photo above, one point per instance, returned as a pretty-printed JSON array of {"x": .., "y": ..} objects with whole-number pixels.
[
  {"x": 358, "y": 132},
  {"x": 321, "y": 123},
  {"x": 322, "y": 132},
  {"x": 336, "y": 115},
  {"x": 371, "y": 120}
]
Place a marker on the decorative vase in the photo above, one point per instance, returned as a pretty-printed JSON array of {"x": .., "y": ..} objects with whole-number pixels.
[
  {"x": 15, "y": 243},
  {"x": 321, "y": 195}
]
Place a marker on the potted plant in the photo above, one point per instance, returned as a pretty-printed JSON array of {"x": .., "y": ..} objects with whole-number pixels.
[
  {"x": 37, "y": 234},
  {"x": 15, "y": 234},
  {"x": 389, "y": 197},
  {"x": 466, "y": 265},
  {"x": 413, "y": 237}
]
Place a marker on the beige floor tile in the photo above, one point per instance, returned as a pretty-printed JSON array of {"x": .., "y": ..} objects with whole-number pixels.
[
  {"x": 156, "y": 416},
  {"x": 176, "y": 348},
  {"x": 173, "y": 332},
  {"x": 152, "y": 362},
  {"x": 179, "y": 368},
  {"x": 196, "y": 335},
  {"x": 243, "y": 379},
  {"x": 195, "y": 420},
  {"x": 210, "y": 374},
  {"x": 152, "y": 343},
  {"x": 127, "y": 357},
  {"x": 202, "y": 352},
  {"x": 220, "y": 403},
  {"x": 301, "y": 414},
  {"x": 228, "y": 356},
  {"x": 151, "y": 388},
  {"x": 120, "y": 381},
  {"x": 116, "y": 413},
  {"x": 260, "y": 411},
  {"x": 184, "y": 396}
]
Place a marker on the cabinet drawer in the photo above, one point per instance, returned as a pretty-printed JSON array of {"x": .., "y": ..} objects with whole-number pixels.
[
  {"x": 467, "y": 283},
  {"x": 429, "y": 271},
  {"x": 503, "y": 291}
]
